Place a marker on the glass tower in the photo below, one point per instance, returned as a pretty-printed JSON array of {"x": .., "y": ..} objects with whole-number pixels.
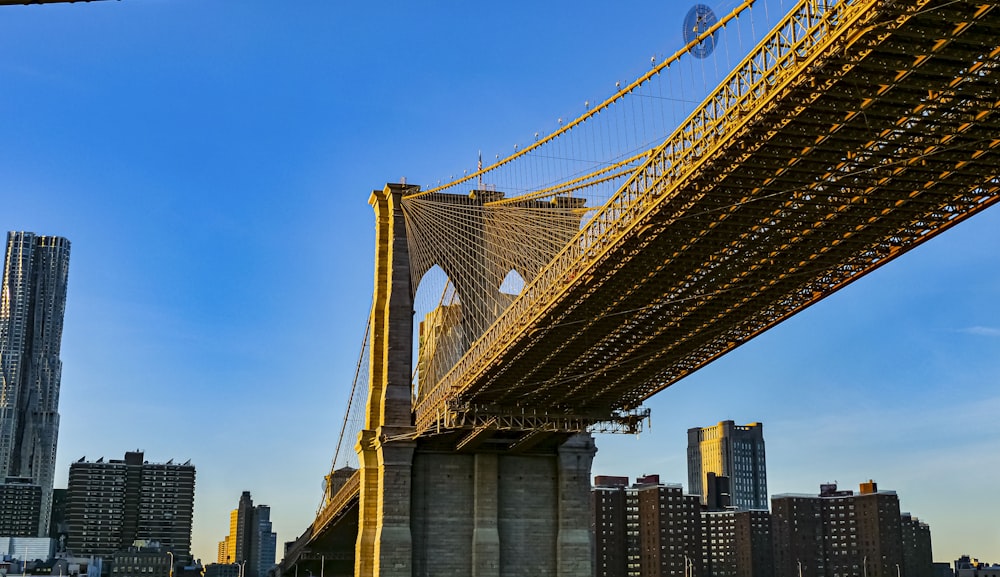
[
  {"x": 735, "y": 452},
  {"x": 32, "y": 305}
]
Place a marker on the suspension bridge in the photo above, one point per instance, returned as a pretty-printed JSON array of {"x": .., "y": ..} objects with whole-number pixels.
[{"x": 601, "y": 263}]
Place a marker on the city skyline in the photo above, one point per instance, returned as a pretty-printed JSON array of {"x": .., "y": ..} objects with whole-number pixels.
[{"x": 212, "y": 165}]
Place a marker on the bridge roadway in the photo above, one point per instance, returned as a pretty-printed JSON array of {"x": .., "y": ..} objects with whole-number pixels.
[{"x": 844, "y": 143}]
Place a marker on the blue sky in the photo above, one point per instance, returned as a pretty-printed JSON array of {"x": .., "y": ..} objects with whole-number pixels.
[{"x": 211, "y": 163}]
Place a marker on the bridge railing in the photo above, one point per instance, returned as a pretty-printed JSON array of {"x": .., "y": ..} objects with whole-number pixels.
[
  {"x": 350, "y": 490},
  {"x": 811, "y": 25}
]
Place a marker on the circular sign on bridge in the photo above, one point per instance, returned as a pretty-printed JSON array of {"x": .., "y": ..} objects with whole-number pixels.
[{"x": 699, "y": 19}]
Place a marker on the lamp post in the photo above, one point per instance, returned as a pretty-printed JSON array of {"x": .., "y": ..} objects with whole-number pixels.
[
  {"x": 864, "y": 565},
  {"x": 897, "y": 570},
  {"x": 800, "y": 567},
  {"x": 242, "y": 565},
  {"x": 170, "y": 570}
]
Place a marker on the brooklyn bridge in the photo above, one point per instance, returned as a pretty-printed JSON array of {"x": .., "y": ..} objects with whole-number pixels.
[{"x": 607, "y": 260}]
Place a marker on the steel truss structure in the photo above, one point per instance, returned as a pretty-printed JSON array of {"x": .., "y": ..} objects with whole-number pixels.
[{"x": 853, "y": 133}]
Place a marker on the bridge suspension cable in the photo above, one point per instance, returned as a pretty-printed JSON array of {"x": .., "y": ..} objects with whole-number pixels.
[
  {"x": 492, "y": 232},
  {"x": 344, "y": 455},
  {"x": 607, "y": 142}
]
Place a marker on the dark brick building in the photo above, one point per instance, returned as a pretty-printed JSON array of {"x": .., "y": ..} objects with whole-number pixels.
[
  {"x": 918, "y": 560},
  {"x": 20, "y": 507},
  {"x": 111, "y": 504},
  {"x": 669, "y": 528},
  {"x": 609, "y": 502},
  {"x": 737, "y": 544},
  {"x": 839, "y": 533}
]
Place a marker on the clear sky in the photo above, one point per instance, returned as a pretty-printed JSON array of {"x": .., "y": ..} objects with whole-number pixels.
[{"x": 211, "y": 162}]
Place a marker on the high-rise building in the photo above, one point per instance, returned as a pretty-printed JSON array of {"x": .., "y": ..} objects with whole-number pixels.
[
  {"x": 112, "y": 504},
  {"x": 20, "y": 506},
  {"x": 263, "y": 542},
  {"x": 227, "y": 547},
  {"x": 250, "y": 543},
  {"x": 917, "y": 558},
  {"x": 222, "y": 554},
  {"x": 32, "y": 305},
  {"x": 841, "y": 533},
  {"x": 655, "y": 529},
  {"x": 733, "y": 451},
  {"x": 609, "y": 502},
  {"x": 244, "y": 528},
  {"x": 737, "y": 543},
  {"x": 669, "y": 529}
]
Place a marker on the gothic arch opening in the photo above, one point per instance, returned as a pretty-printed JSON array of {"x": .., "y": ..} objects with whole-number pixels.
[
  {"x": 512, "y": 284},
  {"x": 438, "y": 332}
]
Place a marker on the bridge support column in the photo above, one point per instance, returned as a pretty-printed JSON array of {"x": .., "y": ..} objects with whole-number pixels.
[
  {"x": 503, "y": 514},
  {"x": 364, "y": 554},
  {"x": 485, "y": 534},
  {"x": 384, "y": 545},
  {"x": 393, "y": 541},
  {"x": 574, "y": 552}
]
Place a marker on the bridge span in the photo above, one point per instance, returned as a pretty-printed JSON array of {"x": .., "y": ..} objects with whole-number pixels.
[{"x": 854, "y": 132}]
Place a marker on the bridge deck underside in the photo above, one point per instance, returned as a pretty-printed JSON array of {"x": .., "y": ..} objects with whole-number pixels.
[{"x": 871, "y": 151}]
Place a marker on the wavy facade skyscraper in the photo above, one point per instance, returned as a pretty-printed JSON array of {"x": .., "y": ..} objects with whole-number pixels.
[{"x": 32, "y": 305}]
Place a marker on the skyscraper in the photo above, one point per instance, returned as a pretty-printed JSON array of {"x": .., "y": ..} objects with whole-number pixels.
[
  {"x": 250, "y": 542},
  {"x": 32, "y": 304},
  {"x": 733, "y": 451},
  {"x": 264, "y": 542}
]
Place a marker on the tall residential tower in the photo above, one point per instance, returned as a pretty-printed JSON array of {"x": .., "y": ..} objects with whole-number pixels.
[
  {"x": 733, "y": 451},
  {"x": 111, "y": 504},
  {"x": 32, "y": 304}
]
